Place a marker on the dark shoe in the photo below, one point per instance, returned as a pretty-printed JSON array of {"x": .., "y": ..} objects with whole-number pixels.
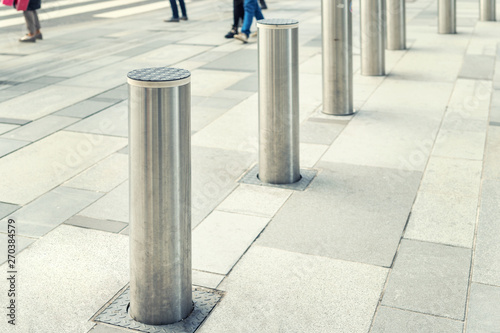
[
  {"x": 28, "y": 39},
  {"x": 242, "y": 36},
  {"x": 39, "y": 36},
  {"x": 231, "y": 33},
  {"x": 263, "y": 4},
  {"x": 172, "y": 19},
  {"x": 184, "y": 18}
]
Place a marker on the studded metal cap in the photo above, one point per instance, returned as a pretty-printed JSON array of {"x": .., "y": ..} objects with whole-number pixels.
[
  {"x": 280, "y": 23},
  {"x": 159, "y": 77}
]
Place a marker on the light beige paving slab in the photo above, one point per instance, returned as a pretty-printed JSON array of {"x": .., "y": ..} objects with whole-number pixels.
[
  {"x": 103, "y": 176},
  {"x": 222, "y": 238},
  {"x": 273, "y": 290},
  {"x": 205, "y": 279},
  {"x": 310, "y": 154},
  {"x": 470, "y": 100},
  {"x": 492, "y": 157},
  {"x": 113, "y": 206},
  {"x": 203, "y": 82},
  {"x": 44, "y": 101},
  {"x": 168, "y": 55},
  {"x": 441, "y": 218},
  {"x": 460, "y": 144},
  {"x": 7, "y": 127},
  {"x": 456, "y": 177},
  {"x": 112, "y": 121},
  {"x": 81, "y": 268},
  {"x": 255, "y": 200},
  {"x": 49, "y": 162}
]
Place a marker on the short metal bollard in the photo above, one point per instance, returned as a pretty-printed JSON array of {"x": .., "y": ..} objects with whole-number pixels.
[
  {"x": 487, "y": 10},
  {"x": 160, "y": 195},
  {"x": 278, "y": 101},
  {"x": 337, "y": 57},
  {"x": 396, "y": 25},
  {"x": 447, "y": 17},
  {"x": 372, "y": 37}
]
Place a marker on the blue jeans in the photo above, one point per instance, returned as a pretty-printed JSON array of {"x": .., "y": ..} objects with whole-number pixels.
[
  {"x": 175, "y": 11},
  {"x": 252, "y": 9}
]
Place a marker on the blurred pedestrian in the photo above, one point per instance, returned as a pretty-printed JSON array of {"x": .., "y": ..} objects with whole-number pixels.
[
  {"x": 175, "y": 11},
  {"x": 32, "y": 22},
  {"x": 263, "y": 4},
  {"x": 238, "y": 14},
  {"x": 252, "y": 9}
]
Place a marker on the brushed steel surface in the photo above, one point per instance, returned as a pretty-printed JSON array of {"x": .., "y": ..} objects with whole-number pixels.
[
  {"x": 372, "y": 37},
  {"x": 447, "y": 17},
  {"x": 278, "y": 105},
  {"x": 160, "y": 204},
  {"x": 396, "y": 25},
  {"x": 336, "y": 30},
  {"x": 487, "y": 10}
]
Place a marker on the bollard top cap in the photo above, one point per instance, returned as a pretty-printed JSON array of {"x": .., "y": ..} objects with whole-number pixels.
[
  {"x": 158, "y": 77},
  {"x": 277, "y": 23}
]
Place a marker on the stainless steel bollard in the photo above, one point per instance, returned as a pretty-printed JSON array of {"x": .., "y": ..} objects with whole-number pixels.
[
  {"x": 160, "y": 195},
  {"x": 337, "y": 57},
  {"x": 278, "y": 101},
  {"x": 396, "y": 25},
  {"x": 447, "y": 17},
  {"x": 487, "y": 10},
  {"x": 372, "y": 37}
]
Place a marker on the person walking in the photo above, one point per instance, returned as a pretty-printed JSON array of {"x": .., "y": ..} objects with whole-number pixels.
[
  {"x": 175, "y": 11},
  {"x": 263, "y": 4},
  {"x": 32, "y": 22},
  {"x": 238, "y": 14},
  {"x": 252, "y": 9}
]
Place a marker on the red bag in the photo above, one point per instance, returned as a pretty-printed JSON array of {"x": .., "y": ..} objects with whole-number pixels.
[
  {"x": 22, "y": 5},
  {"x": 8, "y": 2}
]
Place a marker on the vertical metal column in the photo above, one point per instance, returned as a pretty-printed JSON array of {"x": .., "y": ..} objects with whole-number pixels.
[
  {"x": 160, "y": 195},
  {"x": 487, "y": 10},
  {"x": 278, "y": 101},
  {"x": 337, "y": 57},
  {"x": 372, "y": 37},
  {"x": 396, "y": 25},
  {"x": 447, "y": 13}
]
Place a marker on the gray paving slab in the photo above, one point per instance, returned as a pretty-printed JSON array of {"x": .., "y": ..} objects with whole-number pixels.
[
  {"x": 429, "y": 278},
  {"x": 112, "y": 206},
  {"x": 349, "y": 212},
  {"x": 484, "y": 307},
  {"x": 201, "y": 116},
  {"x": 50, "y": 210},
  {"x": 243, "y": 60},
  {"x": 477, "y": 67},
  {"x": 90, "y": 223},
  {"x": 112, "y": 121},
  {"x": 21, "y": 244},
  {"x": 48, "y": 79},
  {"x": 40, "y": 128},
  {"x": 103, "y": 328},
  {"x": 85, "y": 108},
  {"x": 495, "y": 106},
  {"x": 457, "y": 177},
  {"x": 320, "y": 131},
  {"x": 250, "y": 83},
  {"x": 222, "y": 238},
  {"x": 7, "y": 146},
  {"x": 491, "y": 167},
  {"x": 487, "y": 251},
  {"x": 14, "y": 121},
  {"x": 391, "y": 320},
  {"x": 272, "y": 290},
  {"x": 207, "y": 280},
  {"x": 81, "y": 268},
  {"x": 26, "y": 87},
  {"x": 7, "y": 208},
  {"x": 9, "y": 94},
  {"x": 120, "y": 92},
  {"x": 57, "y": 157},
  {"x": 443, "y": 218}
]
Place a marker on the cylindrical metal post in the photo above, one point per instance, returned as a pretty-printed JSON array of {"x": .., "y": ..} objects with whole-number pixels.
[
  {"x": 396, "y": 25},
  {"x": 447, "y": 17},
  {"x": 337, "y": 57},
  {"x": 372, "y": 37},
  {"x": 160, "y": 195},
  {"x": 278, "y": 50},
  {"x": 487, "y": 10}
]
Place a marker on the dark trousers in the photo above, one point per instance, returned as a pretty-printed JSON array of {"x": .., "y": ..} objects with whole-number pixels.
[
  {"x": 32, "y": 22},
  {"x": 238, "y": 13},
  {"x": 175, "y": 11}
]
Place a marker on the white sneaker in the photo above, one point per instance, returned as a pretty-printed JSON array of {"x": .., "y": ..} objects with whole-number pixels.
[
  {"x": 242, "y": 36},
  {"x": 254, "y": 34}
]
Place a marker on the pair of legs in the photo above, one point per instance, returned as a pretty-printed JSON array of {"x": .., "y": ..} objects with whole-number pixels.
[
  {"x": 175, "y": 11},
  {"x": 33, "y": 25},
  {"x": 252, "y": 9}
]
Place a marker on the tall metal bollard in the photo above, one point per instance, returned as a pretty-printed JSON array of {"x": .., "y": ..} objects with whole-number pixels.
[
  {"x": 160, "y": 195},
  {"x": 278, "y": 101},
  {"x": 487, "y": 10},
  {"x": 447, "y": 16},
  {"x": 396, "y": 25},
  {"x": 372, "y": 37},
  {"x": 337, "y": 57}
]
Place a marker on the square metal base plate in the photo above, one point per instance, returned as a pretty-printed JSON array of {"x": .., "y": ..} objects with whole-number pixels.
[
  {"x": 251, "y": 177},
  {"x": 204, "y": 301}
]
